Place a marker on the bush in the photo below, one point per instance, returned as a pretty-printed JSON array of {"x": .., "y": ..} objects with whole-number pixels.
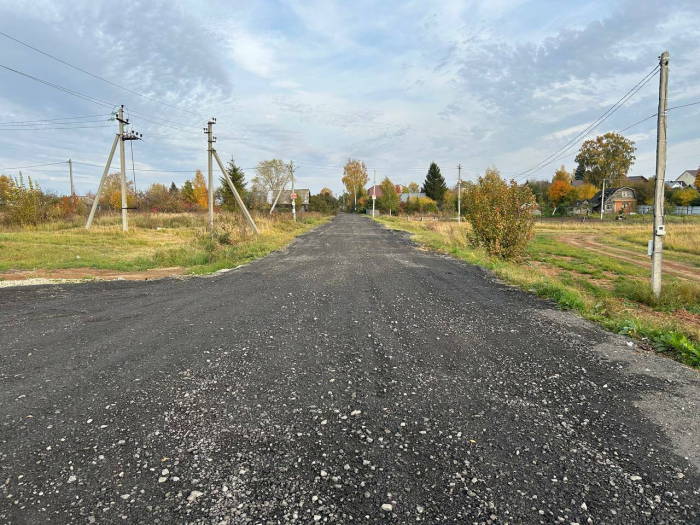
[
  {"x": 502, "y": 216},
  {"x": 25, "y": 202},
  {"x": 420, "y": 205}
]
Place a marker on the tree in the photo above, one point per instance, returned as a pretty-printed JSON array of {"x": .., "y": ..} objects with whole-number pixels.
[
  {"x": 112, "y": 192},
  {"x": 326, "y": 192},
  {"x": 562, "y": 175},
  {"x": 684, "y": 196},
  {"x": 413, "y": 187},
  {"x": 355, "y": 179},
  {"x": 608, "y": 157},
  {"x": 187, "y": 193},
  {"x": 421, "y": 205},
  {"x": 5, "y": 183},
  {"x": 158, "y": 198},
  {"x": 501, "y": 215},
  {"x": 270, "y": 175},
  {"x": 200, "y": 193},
  {"x": 434, "y": 186},
  {"x": 697, "y": 180},
  {"x": 173, "y": 190},
  {"x": 324, "y": 202},
  {"x": 224, "y": 194},
  {"x": 586, "y": 191},
  {"x": 558, "y": 192},
  {"x": 389, "y": 201},
  {"x": 644, "y": 191}
]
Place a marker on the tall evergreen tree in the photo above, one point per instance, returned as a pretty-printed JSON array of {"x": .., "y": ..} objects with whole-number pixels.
[
  {"x": 173, "y": 189},
  {"x": 224, "y": 193},
  {"x": 434, "y": 185}
]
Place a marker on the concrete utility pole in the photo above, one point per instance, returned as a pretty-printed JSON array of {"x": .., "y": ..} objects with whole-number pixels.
[
  {"x": 102, "y": 182},
  {"x": 602, "y": 200},
  {"x": 459, "y": 193},
  {"x": 240, "y": 202},
  {"x": 210, "y": 148},
  {"x": 70, "y": 172},
  {"x": 659, "y": 227},
  {"x": 293, "y": 196},
  {"x": 374, "y": 192},
  {"x": 122, "y": 161}
]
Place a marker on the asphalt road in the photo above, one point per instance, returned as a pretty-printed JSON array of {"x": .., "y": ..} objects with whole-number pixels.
[{"x": 352, "y": 378}]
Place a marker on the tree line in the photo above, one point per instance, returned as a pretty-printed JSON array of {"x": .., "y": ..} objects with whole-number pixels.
[{"x": 24, "y": 202}]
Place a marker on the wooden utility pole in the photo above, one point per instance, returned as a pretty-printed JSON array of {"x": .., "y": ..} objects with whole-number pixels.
[
  {"x": 459, "y": 193},
  {"x": 210, "y": 195},
  {"x": 659, "y": 227}
]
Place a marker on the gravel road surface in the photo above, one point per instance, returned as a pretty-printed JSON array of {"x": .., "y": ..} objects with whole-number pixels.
[{"x": 351, "y": 378}]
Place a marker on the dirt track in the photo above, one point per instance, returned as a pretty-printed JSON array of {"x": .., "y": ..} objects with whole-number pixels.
[{"x": 589, "y": 242}]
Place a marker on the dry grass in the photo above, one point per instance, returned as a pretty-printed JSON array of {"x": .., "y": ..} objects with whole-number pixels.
[{"x": 153, "y": 241}]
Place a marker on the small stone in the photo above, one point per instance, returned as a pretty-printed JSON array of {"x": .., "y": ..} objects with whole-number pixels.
[
  {"x": 72, "y": 479},
  {"x": 324, "y": 473},
  {"x": 162, "y": 479},
  {"x": 387, "y": 507},
  {"x": 194, "y": 495},
  {"x": 635, "y": 478},
  {"x": 420, "y": 509},
  {"x": 125, "y": 496},
  {"x": 584, "y": 506},
  {"x": 356, "y": 412}
]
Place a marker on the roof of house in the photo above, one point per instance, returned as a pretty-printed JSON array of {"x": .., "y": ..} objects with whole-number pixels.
[
  {"x": 595, "y": 201},
  {"x": 637, "y": 178},
  {"x": 692, "y": 172},
  {"x": 577, "y": 182}
]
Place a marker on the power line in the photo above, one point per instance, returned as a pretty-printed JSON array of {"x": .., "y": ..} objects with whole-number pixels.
[
  {"x": 596, "y": 122},
  {"x": 98, "y": 77},
  {"x": 137, "y": 169},
  {"x": 166, "y": 126},
  {"x": 35, "y": 165},
  {"x": 128, "y": 110},
  {"x": 61, "y": 88},
  {"x": 49, "y": 128},
  {"x": 54, "y": 119}
]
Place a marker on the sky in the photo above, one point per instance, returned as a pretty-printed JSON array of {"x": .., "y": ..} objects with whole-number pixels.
[{"x": 480, "y": 83}]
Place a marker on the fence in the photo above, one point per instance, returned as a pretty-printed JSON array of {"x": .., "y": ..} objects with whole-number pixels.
[{"x": 673, "y": 210}]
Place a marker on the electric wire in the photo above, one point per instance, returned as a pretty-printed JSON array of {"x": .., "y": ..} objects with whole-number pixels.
[
  {"x": 596, "y": 122},
  {"x": 61, "y": 88},
  {"x": 55, "y": 119},
  {"x": 50, "y": 128},
  {"x": 98, "y": 77}
]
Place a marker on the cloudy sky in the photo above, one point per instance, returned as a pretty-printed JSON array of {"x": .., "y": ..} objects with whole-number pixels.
[{"x": 397, "y": 84}]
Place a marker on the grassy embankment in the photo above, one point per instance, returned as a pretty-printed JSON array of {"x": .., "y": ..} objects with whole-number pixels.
[
  {"x": 153, "y": 241},
  {"x": 611, "y": 291}
]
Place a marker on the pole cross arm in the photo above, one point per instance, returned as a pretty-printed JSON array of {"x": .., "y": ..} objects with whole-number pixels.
[{"x": 250, "y": 220}]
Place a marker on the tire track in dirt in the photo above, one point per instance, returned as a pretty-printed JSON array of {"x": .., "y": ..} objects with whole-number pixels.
[{"x": 677, "y": 269}]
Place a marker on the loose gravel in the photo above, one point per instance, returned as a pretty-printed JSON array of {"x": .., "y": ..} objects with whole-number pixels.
[{"x": 350, "y": 379}]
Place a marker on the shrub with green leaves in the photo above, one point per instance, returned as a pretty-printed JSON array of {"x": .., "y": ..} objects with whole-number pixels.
[
  {"x": 420, "y": 205},
  {"x": 502, "y": 215}
]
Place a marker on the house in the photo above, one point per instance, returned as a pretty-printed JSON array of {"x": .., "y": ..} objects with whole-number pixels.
[
  {"x": 637, "y": 178},
  {"x": 378, "y": 190},
  {"x": 581, "y": 207},
  {"x": 688, "y": 177},
  {"x": 285, "y": 199},
  {"x": 677, "y": 184},
  {"x": 616, "y": 201}
]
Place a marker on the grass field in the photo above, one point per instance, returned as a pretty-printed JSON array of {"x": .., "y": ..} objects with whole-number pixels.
[
  {"x": 600, "y": 270},
  {"x": 153, "y": 241}
]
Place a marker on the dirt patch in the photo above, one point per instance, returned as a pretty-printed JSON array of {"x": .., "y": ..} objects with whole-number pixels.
[
  {"x": 44, "y": 276},
  {"x": 684, "y": 271}
]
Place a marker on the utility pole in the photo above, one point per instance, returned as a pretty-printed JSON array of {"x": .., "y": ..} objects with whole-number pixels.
[
  {"x": 239, "y": 201},
  {"x": 374, "y": 192},
  {"x": 72, "y": 187},
  {"x": 293, "y": 196},
  {"x": 354, "y": 191},
  {"x": 459, "y": 193},
  {"x": 122, "y": 161},
  {"x": 119, "y": 139},
  {"x": 659, "y": 227},
  {"x": 210, "y": 148},
  {"x": 602, "y": 200}
]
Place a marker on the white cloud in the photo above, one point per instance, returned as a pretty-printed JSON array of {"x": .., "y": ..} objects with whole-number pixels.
[{"x": 252, "y": 55}]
